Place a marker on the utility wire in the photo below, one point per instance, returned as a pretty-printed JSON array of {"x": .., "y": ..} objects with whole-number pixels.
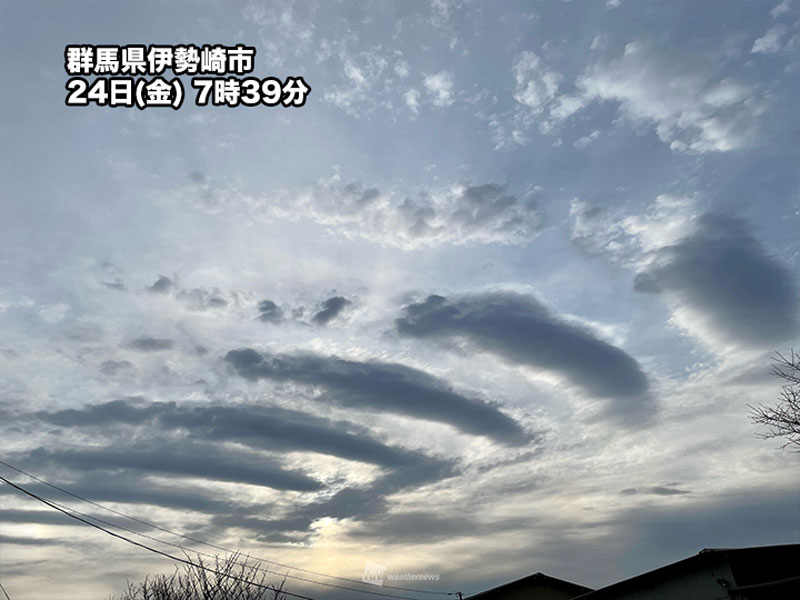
[
  {"x": 216, "y": 547},
  {"x": 185, "y": 561},
  {"x": 221, "y": 548},
  {"x": 208, "y": 555},
  {"x": 5, "y": 592}
]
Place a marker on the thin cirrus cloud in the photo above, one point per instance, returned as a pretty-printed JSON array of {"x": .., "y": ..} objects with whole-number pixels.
[
  {"x": 723, "y": 272},
  {"x": 382, "y": 387},
  {"x": 521, "y": 330}
]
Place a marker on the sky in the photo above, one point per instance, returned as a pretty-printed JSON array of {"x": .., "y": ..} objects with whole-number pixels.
[{"x": 494, "y": 301}]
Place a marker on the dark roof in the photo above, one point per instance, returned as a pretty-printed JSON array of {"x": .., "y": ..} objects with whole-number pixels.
[
  {"x": 535, "y": 579},
  {"x": 750, "y": 566}
]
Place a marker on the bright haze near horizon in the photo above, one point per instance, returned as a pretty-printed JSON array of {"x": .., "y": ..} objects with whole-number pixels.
[{"x": 494, "y": 301}]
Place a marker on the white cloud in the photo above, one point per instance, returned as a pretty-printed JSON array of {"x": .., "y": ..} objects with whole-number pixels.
[
  {"x": 423, "y": 217},
  {"x": 670, "y": 219},
  {"x": 536, "y": 86},
  {"x": 611, "y": 4},
  {"x": 595, "y": 230},
  {"x": 628, "y": 239},
  {"x": 281, "y": 30},
  {"x": 361, "y": 79},
  {"x": 402, "y": 69},
  {"x": 780, "y": 9},
  {"x": 501, "y": 136},
  {"x": 441, "y": 13},
  {"x": 565, "y": 106},
  {"x": 54, "y": 313},
  {"x": 694, "y": 262},
  {"x": 690, "y": 111},
  {"x": 770, "y": 42},
  {"x": 440, "y": 88},
  {"x": 411, "y": 98},
  {"x": 587, "y": 139},
  {"x": 599, "y": 41},
  {"x": 725, "y": 93},
  {"x": 354, "y": 74},
  {"x": 452, "y": 214}
]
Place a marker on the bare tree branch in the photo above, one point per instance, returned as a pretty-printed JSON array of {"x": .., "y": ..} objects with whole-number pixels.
[
  {"x": 231, "y": 578},
  {"x": 783, "y": 419}
]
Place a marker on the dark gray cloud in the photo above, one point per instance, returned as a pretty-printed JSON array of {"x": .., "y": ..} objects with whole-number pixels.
[
  {"x": 522, "y": 330},
  {"x": 331, "y": 308},
  {"x": 217, "y": 463},
  {"x": 86, "y": 333},
  {"x": 54, "y": 517},
  {"x": 361, "y": 197},
  {"x": 200, "y": 299},
  {"x": 269, "y": 312},
  {"x": 9, "y": 540},
  {"x": 657, "y": 490},
  {"x": 148, "y": 344},
  {"x": 263, "y": 427},
  {"x": 491, "y": 205},
  {"x": 666, "y": 491},
  {"x": 419, "y": 527},
  {"x": 662, "y": 533},
  {"x": 384, "y": 387},
  {"x": 657, "y": 534},
  {"x": 114, "y": 285},
  {"x": 255, "y": 426},
  {"x": 349, "y": 503},
  {"x": 112, "y": 367},
  {"x": 194, "y": 299},
  {"x": 724, "y": 272},
  {"x": 162, "y": 285},
  {"x": 137, "y": 490},
  {"x": 43, "y": 517},
  {"x": 127, "y": 410}
]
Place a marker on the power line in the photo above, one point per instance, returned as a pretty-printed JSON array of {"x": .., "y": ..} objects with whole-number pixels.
[
  {"x": 185, "y": 561},
  {"x": 5, "y": 592},
  {"x": 243, "y": 562},
  {"x": 224, "y": 549},
  {"x": 215, "y": 546}
]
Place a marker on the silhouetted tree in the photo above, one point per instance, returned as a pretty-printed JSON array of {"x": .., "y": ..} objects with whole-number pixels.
[
  {"x": 227, "y": 578},
  {"x": 783, "y": 419}
]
